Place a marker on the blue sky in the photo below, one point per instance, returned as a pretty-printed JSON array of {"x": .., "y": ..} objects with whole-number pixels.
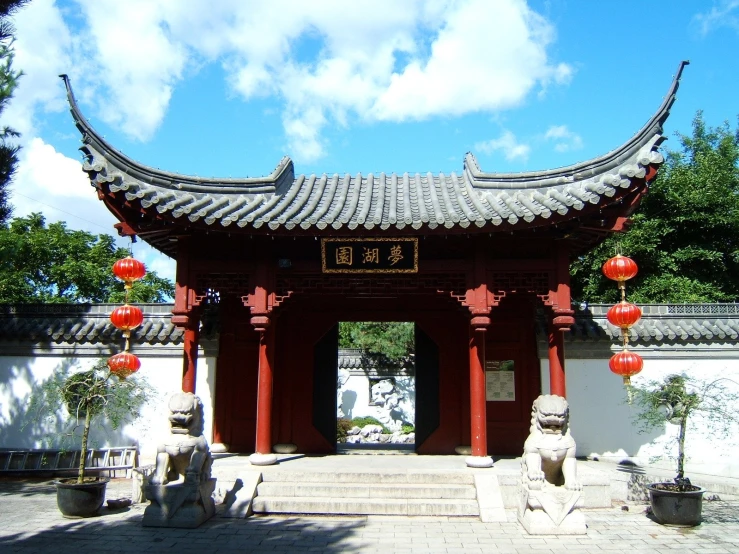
[{"x": 227, "y": 88}]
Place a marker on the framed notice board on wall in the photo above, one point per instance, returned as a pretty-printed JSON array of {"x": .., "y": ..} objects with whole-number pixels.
[{"x": 500, "y": 381}]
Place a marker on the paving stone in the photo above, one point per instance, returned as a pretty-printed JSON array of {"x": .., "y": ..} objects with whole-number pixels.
[{"x": 30, "y": 523}]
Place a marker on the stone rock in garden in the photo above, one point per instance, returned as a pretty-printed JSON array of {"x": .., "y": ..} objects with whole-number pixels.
[
  {"x": 374, "y": 437},
  {"x": 354, "y": 430},
  {"x": 385, "y": 438},
  {"x": 382, "y": 388},
  {"x": 355, "y": 439},
  {"x": 370, "y": 429}
]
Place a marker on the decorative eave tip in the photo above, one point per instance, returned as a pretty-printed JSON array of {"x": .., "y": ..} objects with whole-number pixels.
[{"x": 96, "y": 145}]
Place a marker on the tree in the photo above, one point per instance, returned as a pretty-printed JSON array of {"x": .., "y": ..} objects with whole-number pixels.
[
  {"x": 86, "y": 395},
  {"x": 677, "y": 399},
  {"x": 8, "y": 82},
  {"x": 685, "y": 235},
  {"x": 388, "y": 342},
  {"x": 40, "y": 263}
]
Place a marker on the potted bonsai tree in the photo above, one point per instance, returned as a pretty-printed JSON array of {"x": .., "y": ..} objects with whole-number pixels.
[
  {"x": 87, "y": 396},
  {"x": 675, "y": 400}
]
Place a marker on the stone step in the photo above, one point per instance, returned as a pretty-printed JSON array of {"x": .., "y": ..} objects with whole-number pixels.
[
  {"x": 365, "y": 506},
  {"x": 362, "y": 490},
  {"x": 372, "y": 477}
]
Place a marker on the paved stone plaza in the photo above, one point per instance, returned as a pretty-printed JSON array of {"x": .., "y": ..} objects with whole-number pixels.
[{"x": 30, "y": 522}]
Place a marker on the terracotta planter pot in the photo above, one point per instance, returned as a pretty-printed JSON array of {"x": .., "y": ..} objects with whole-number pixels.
[
  {"x": 681, "y": 509},
  {"x": 80, "y": 500}
]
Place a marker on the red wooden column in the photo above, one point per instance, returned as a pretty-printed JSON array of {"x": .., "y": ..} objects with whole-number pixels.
[
  {"x": 264, "y": 394},
  {"x": 561, "y": 320},
  {"x": 478, "y": 301},
  {"x": 557, "y": 381},
  {"x": 259, "y": 302},
  {"x": 185, "y": 314},
  {"x": 190, "y": 357},
  {"x": 478, "y": 413},
  {"x": 478, "y": 420}
]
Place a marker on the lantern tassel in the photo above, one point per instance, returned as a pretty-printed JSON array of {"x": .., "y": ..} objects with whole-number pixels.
[{"x": 629, "y": 391}]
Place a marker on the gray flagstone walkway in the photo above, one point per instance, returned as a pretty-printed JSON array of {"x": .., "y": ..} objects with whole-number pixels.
[{"x": 30, "y": 523}]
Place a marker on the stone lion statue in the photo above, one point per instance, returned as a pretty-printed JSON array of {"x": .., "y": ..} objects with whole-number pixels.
[
  {"x": 549, "y": 451},
  {"x": 185, "y": 452},
  {"x": 550, "y": 494}
]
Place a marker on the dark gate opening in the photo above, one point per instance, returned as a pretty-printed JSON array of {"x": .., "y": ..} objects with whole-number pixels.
[{"x": 376, "y": 397}]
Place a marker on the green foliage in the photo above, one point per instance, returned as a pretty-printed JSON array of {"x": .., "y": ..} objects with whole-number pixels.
[
  {"x": 8, "y": 83},
  {"x": 363, "y": 421},
  {"x": 407, "y": 428},
  {"x": 89, "y": 395},
  {"x": 53, "y": 264},
  {"x": 685, "y": 235},
  {"x": 386, "y": 342},
  {"x": 653, "y": 399},
  {"x": 676, "y": 399},
  {"x": 84, "y": 392},
  {"x": 342, "y": 427}
]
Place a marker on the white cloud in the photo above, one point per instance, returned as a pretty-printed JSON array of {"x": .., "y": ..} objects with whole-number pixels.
[
  {"x": 42, "y": 49},
  {"x": 43, "y": 174},
  {"x": 724, "y": 14},
  {"x": 507, "y": 143},
  {"x": 326, "y": 61},
  {"x": 136, "y": 59},
  {"x": 564, "y": 139},
  {"x": 486, "y": 56}
]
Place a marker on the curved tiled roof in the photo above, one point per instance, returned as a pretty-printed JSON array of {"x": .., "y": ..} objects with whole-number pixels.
[
  {"x": 86, "y": 323},
  {"x": 469, "y": 199},
  {"x": 90, "y": 323},
  {"x": 660, "y": 323}
]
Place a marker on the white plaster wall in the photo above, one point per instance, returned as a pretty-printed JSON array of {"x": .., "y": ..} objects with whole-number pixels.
[
  {"x": 19, "y": 375},
  {"x": 601, "y": 418}
]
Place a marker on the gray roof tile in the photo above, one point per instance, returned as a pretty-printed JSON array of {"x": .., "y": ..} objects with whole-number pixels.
[
  {"x": 86, "y": 323},
  {"x": 661, "y": 323},
  {"x": 387, "y": 201}
]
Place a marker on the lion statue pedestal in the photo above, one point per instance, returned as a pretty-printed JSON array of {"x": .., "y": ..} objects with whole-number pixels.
[
  {"x": 550, "y": 494},
  {"x": 181, "y": 488}
]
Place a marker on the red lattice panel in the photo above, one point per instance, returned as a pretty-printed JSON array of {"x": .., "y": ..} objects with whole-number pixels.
[
  {"x": 510, "y": 282},
  {"x": 210, "y": 287},
  {"x": 451, "y": 284}
]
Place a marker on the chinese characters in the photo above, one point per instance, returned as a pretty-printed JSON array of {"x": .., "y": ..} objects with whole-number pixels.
[{"x": 370, "y": 255}]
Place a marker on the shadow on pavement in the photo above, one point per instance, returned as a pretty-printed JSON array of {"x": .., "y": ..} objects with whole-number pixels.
[{"x": 30, "y": 521}]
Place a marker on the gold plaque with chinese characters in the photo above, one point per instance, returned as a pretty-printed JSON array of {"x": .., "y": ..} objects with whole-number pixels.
[{"x": 369, "y": 255}]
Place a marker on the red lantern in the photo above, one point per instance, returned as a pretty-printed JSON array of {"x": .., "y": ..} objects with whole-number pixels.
[
  {"x": 626, "y": 364},
  {"x": 624, "y": 315},
  {"x": 129, "y": 270},
  {"x": 620, "y": 268},
  {"x": 123, "y": 364},
  {"x": 127, "y": 317}
]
